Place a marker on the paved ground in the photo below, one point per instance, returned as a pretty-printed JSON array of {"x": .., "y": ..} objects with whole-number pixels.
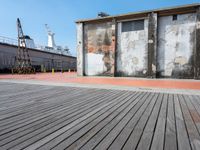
[
  {"x": 131, "y": 82},
  {"x": 54, "y": 117}
]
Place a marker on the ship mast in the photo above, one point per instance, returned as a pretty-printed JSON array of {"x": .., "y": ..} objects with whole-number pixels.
[{"x": 51, "y": 41}]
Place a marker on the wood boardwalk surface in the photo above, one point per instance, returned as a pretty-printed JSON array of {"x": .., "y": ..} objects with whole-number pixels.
[{"x": 50, "y": 117}]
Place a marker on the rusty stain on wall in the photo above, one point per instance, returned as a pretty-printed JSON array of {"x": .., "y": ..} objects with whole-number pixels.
[
  {"x": 99, "y": 44},
  {"x": 175, "y": 46}
]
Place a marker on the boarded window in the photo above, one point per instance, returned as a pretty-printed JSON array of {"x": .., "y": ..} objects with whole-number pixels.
[{"x": 133, "y": 25}]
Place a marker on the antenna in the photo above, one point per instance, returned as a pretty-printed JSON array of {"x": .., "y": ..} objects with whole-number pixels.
[
  {"x": 48, "y": 29},
  {"x": 103, "y": 14}
]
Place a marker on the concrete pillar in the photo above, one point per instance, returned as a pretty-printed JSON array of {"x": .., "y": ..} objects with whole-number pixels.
[
  {"x": 114, "y": 42},
  {"x": 152, "y": 45},
  {"x": 80, "y": 59},
  {"x": 197, "y": 51}
]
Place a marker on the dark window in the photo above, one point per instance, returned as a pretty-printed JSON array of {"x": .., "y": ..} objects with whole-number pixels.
[
  {"x": 174, "y": 17},
  {"x": 133, "y": 25}
]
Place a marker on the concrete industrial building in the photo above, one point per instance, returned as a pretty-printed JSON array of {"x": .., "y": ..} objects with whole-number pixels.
[{"x": 162, "y": 43}]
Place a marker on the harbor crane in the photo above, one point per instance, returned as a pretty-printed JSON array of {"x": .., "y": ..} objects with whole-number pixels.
[{"x": 23, "y": 63}]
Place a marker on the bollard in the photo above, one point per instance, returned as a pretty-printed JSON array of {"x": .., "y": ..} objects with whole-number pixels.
[
  {"x": 52, "y": 70},
  {"x": 42, "y": 68}
]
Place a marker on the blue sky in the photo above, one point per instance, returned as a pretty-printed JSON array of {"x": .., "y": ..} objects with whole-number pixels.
[{"x": 61, "y": 15}]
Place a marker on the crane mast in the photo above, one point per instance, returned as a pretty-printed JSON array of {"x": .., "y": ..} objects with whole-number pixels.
[{"x": 23, "y": 62}]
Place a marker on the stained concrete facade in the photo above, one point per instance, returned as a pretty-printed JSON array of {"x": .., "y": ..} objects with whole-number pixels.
[
  {"x": 40, "y": 59},
  {"x": 99, "y": 48},
  {"x": 160, "y": 43},
  {"x": 176, "y": 44},
  {"x": 132, "y": 51}
]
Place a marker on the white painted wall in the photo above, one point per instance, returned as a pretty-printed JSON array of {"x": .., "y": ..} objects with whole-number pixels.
[
  {"x": 175, "y": 42},
  {"x": 95, "y": 64},
  {"x": 132, "y": 51}
]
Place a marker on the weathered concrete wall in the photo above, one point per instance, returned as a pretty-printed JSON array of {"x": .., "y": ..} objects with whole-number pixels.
[
  {"x": 176, "y": 44},
  {"x": 132, "y": 52},
  {"x": 38, "y": 58},
  {"x": 99, "y": 47},
  {"x": 168, "y": 46},
  {"x": 79, "y": 37},
  {"x": 197, "y": 50}
]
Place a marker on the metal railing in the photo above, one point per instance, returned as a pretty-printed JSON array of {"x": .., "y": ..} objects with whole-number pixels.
[
  {"x": 8, "y": 40},
  {"x": 14, "y": 42}
]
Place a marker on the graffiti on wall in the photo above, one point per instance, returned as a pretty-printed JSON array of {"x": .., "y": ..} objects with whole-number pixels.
[{"x": 99, "y": 46}]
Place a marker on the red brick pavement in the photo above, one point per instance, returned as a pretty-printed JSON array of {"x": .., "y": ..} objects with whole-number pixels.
[{"x": 135, "y": 82}]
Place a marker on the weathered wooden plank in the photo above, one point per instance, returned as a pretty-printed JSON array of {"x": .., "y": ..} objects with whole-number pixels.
[
  {"x": 107, "y": 141},
  {"x": 56, "y": 120},
  {"x": 126, "y": 132},
  {"x": 194, "y": 111},
  {"x": 159, "y": 134},
  {"x": 67, "y": 103},
  {"x": 196, "y": 102},
  {"x": 43, "y": 100},
  {"x": 182, "y": 137},
  {"x": 8, "y": 88},
  {"x": 31, "y": 101},
  {"x": 86, "y": 137},
  {"x": 75, "y": 133},
  {"x": 28, "y": 96},
  {"x": 133, "y": 139},
  {"x": 61, "y": 105},
  {"x": 53, "y": 131},
  {"x": 21, "y": 92},
  {"x": 114, "y": 125},
  {"x": 170, "y": 134},
  {"x": 69, "y": 110},
  {"x": 95, "y": 118},
  {"x": 146, "y": 137},
  {"x": 190, "y": 126},
  {"x": 54, "y": 123}
]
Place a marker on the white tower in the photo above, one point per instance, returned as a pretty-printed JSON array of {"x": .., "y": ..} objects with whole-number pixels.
[{"x": 51, "y": 42}]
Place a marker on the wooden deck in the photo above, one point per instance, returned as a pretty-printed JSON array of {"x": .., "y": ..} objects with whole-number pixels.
[{"x": 50, "y": 117}]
